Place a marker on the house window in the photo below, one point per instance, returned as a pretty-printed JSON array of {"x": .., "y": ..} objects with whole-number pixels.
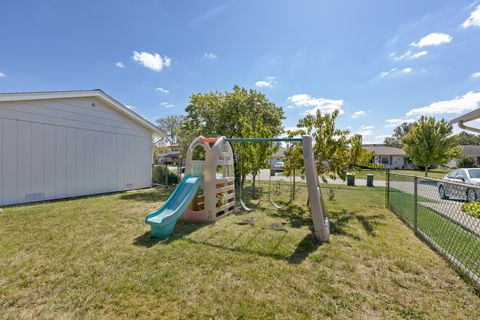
[{"x": 385, "y": 159}]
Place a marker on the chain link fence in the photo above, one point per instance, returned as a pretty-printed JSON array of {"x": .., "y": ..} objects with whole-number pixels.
[{"x": 444, "y": 214}]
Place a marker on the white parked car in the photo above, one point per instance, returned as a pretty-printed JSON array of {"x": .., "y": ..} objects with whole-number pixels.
[
  {"x": 279, "y": 166},
  {"x": 466, "y": 177}
]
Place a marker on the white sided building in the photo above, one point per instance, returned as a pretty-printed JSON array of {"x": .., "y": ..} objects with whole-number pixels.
[{"x": 72, "y": 143}]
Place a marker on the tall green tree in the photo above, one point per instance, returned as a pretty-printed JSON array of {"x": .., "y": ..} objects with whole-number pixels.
[
  {"x": 430, "y": 142},
  {"x": 331, "y": 145},
  {"x": 240, "y": 113},
  {"x": 359, "y": 156},
  {"x": 169, "y": 127},
  {"x": 466, "y": 138},
  {"x": 398, "y": 133}
]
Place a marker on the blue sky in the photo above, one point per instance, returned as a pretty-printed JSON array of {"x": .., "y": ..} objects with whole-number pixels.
[{"x": 380, "y": 62}]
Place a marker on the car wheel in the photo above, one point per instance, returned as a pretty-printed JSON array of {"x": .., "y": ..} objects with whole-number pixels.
[
  {"x": 441, "y": 191},
  {"x": 471, "y": 195}
]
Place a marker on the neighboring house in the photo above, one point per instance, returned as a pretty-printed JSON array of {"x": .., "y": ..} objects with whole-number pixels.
[
  {"x": 172, "y": 156},
  {"x": 390, "y": 157},
  {"x": 71, "y": 143},
  {"x": 468, "y": 151}
]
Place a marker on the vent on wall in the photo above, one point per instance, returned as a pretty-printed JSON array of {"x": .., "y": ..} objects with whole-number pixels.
[
  {"x": 35, "y": 196},
  {"x": 129, "y": 185}
]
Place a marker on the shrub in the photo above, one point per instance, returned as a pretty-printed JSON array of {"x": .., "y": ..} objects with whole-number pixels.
[
  {"x": 472, "y": 209},
  {"x": 159, "y": 173},
  {"x": 466, "y": 162}
]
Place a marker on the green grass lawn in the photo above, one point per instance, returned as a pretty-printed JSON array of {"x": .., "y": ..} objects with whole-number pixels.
[
  {"x": 380, "y": 174},
  {"x": 94, "y": 258},
  {"x": 449, "y": 237}
]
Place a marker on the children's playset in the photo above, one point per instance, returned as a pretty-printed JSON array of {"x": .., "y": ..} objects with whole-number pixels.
[{"x": 207, "y": 191}]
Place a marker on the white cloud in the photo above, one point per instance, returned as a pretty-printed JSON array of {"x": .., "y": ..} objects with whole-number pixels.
[
  {"x": 120, "y": 64},
  {"x": 394, "y": 72},
  {"x": 469, "y": 101},
  {"x": 2, "y": 75},
  {"x": 359, "y": 113},
  {"x": 153, "y": 61},
  {"x": 382, "y": 136},
  {"x": 475, "y": 75},
  {"x": 164, "y": 103},
  {"x": 168, "y": 106},
  {"x": 433, "y": 39},
  {"x": 384, "y": 74},
  {"x": 419, "y": 54},
  {"x": 396, "y": 122},
  {"x": 473, "y": 20},
  {"x": 322, "y": 104},
  {"x": 130, "y": 107},
  {"x": 162, "y": 90},
  {"x": 268, "y": 82},
  {"x": 409, "y": 55},
  {"x": 364, "y": 132},
  {"x": 209, "y": 55},
  {"x": 290, "y": 107},
  {"x": 367, "y": 127}
]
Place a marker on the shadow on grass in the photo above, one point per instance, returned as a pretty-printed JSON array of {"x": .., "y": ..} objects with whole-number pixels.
[
  {"x": 156, "y": 195},
  {"x": 296, "y": 215},
  {"x": 146, "y": 240},
  {"x": 182, "y": 229},
  {"x": 340, "y": 221},
  {"x": 308, "y": 245}
]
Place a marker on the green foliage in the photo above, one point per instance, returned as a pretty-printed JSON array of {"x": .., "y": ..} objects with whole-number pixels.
[
  {"x": 253, "y": 155},
  {"x": 359, "y": 157},
  {"x": 466, "y": 138},
  {"x": 159, "y": 173},
  {"x": 398, "y": 133},
  {"x": 293, "y": 160},
  {"x": 169, "y": 127},
  {"x": 472, "y": 209},
  {"x": 241, "y": 113},
  {"x": 331, "y": 145},
  {"x": 467, "y": 162},
  {"x": 430, "y": 142}
]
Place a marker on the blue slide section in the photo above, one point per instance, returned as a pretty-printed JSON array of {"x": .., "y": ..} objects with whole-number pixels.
[{"x": 164, "y": 219}]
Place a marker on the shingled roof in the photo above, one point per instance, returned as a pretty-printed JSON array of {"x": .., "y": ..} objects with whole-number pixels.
[
  {"x": 384, "y": 150},
  {"x": 471, "y": 151}
]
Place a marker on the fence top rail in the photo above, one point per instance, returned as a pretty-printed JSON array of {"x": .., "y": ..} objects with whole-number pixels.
[{"x": 464, "y": 185}]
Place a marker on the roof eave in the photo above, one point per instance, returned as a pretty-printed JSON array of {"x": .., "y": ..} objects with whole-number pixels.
[{"x": 97, "y": 93}]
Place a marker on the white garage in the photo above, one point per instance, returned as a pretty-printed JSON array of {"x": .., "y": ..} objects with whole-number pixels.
[{"x": 73, "y": 143}]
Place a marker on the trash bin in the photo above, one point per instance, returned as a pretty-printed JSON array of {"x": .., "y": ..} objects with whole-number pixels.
[
  {"x": 369, "y": 180},
  {"x": 272, "y": 172},
  {"x": 350, "y": 179}
]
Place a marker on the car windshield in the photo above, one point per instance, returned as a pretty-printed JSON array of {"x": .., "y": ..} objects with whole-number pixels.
[{"x": 474, "y": 173}]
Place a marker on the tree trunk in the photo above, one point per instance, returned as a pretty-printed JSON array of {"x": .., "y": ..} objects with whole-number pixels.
[
  {"x": 293, "y": 191},
  {"x": 254, "y": 191},
  {"x": 426, "y": 171}
]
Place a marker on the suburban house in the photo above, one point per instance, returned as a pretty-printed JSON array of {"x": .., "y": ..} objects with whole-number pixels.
[
  {"x": 390, "y": 157},
  {"x": 472, "y": 151},
  {"x": 172, "y": 156},
  {"x": 71, "y": 143}
]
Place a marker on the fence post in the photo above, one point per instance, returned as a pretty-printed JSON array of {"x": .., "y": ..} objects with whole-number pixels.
[
  {"x": 387, "y": 190},
  {"x": 166, "y": 175},
  {"x": 415, "y": 201}
]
